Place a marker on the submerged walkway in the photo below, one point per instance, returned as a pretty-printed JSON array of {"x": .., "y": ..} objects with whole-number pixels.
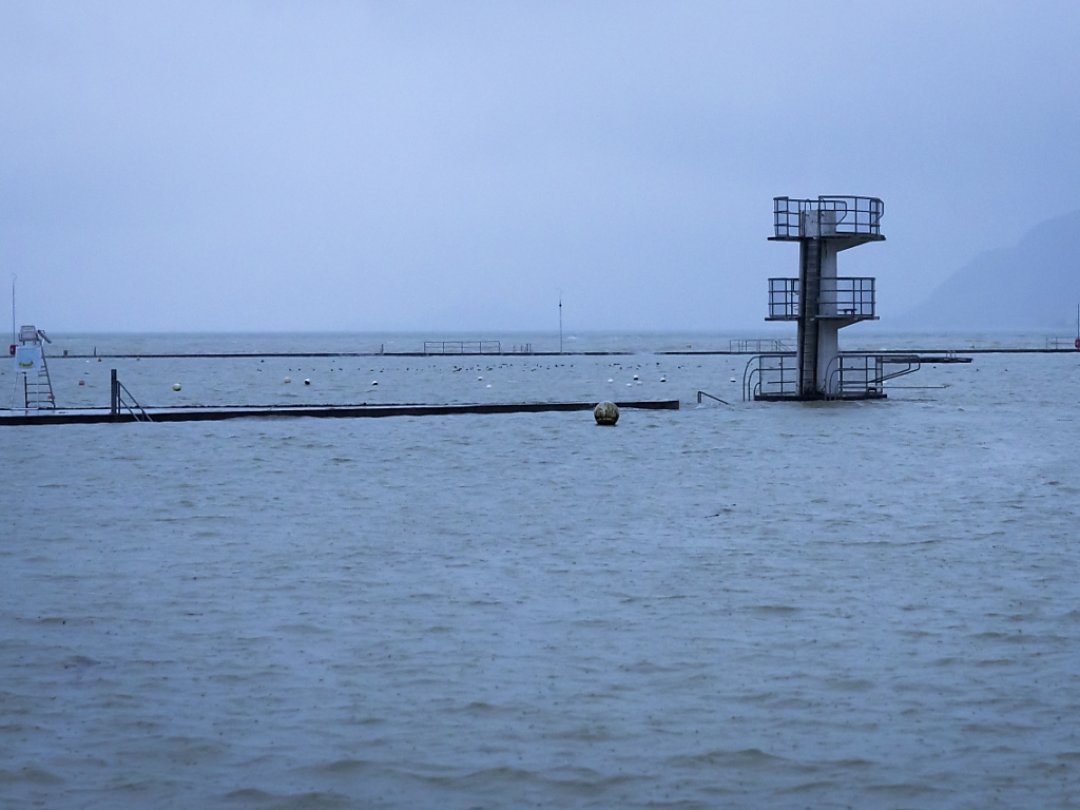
[{"x": 200, "y": 413}]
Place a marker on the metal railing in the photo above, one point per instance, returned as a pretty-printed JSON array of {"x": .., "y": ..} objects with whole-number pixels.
[
  {"x": 849, "y": 375},
  {"x": 759, "y": 345},
  {"x": 860, "y": 374},
  {"x": 1062, "y": 343},
  {"x": 827, "y": 216},
  {"x": 851, "y": 297},
  {"x": 462, "y": 347},
  {"x": 705, "y": 394},
  {"x": 118, "y": 402},
  {"x": 771, "y": 374},
  {"x": 783, "y": 299}
]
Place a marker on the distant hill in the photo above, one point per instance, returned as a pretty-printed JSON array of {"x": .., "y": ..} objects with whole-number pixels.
[{"x": 1034, "y": 285}]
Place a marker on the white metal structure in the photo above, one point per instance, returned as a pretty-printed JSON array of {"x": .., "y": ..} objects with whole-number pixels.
[{"x": 32, "y": 370}]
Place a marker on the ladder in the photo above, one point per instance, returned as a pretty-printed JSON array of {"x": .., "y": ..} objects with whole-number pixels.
[
  {"x": 809, "y": 273},
  {"x": 37, "y": 386}
]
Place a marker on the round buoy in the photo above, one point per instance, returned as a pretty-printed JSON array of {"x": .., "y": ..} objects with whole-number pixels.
[
  {"x": 307, "y": 381},
  {"x": 82, "y": 382},
  {"x": 176, "y": 386},
  {"x": 606, "y": 413},
  {"x": 287, "y": 380},
  {"x": 374, "y": 382}
]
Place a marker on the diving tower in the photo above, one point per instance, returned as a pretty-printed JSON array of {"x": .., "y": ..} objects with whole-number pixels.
[{"x": 821, "y": 302}]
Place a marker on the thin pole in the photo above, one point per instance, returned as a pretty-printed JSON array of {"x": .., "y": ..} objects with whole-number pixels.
[
  {"x": 561, "y": 322},
  {"x": 13, "y": 332}
]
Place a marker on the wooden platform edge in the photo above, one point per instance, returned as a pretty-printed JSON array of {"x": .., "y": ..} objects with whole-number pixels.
[{"x": 90, "y": 416}]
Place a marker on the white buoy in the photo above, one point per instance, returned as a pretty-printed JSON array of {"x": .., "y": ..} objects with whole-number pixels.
[
  {"x": 374, "y": 382},
  {"x": 307, "y": 381},
  {"x": 176, "y": 386},
  {"x": 606, "y": 413},
  {"x": 287, "y": 380}
]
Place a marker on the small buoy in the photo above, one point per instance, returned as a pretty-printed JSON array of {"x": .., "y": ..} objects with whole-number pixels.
[
  {"x": 732, "y": 380},
  {"x": 606, "y": 413},
  {"x": 374, "y": 382},
  {"x": 307, "y": 381},
  {"x": 610, "y": 380},
  {"x": 176, "y": 386},
  {"x": 663, "y": 379},
  {"x": 635, "y": 376},
  {"x": 82, "y": 382},
  {"x": 287, "y": 380}
]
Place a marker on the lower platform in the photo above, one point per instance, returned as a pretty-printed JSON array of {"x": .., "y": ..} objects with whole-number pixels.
[{"x": 846, "y": 396}]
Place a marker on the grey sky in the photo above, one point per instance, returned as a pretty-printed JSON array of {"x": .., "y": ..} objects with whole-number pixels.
[{"x": 443, "y": 166}]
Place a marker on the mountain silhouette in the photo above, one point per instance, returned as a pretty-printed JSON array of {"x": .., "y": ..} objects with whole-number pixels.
[{"x": 1034, "y": 285}]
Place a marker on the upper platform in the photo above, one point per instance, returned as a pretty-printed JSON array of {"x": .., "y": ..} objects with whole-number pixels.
[{"x": 852, "y": 219}]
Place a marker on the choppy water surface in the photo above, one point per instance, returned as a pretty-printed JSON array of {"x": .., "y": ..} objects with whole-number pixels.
[{"x": 867, "y": 605}]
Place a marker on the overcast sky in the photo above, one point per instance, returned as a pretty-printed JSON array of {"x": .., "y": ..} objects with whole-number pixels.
[{"x": 281, "y": 166}]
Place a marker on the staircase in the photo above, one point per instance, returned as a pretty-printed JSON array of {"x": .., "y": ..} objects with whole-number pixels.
[{"x": 809, "y": 281}]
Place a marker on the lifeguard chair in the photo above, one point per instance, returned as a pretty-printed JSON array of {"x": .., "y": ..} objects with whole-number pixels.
[{"x": 32, "y": 370}]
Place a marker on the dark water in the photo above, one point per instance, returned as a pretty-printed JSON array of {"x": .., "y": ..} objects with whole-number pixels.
[{"x": 866, "y": 605}]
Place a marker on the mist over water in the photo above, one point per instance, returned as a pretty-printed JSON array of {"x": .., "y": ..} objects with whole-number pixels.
[{"x": 782, "y": 605}]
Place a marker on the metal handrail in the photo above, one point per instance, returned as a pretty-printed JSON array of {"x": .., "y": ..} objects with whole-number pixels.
[
  {"x": 117, "y": 401},
  {"x": 754, "y": 374},
  {"x": 133, "y": 407},
  {"x": 864, "y": 379},
  {"x": 701, "y": 394}
]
